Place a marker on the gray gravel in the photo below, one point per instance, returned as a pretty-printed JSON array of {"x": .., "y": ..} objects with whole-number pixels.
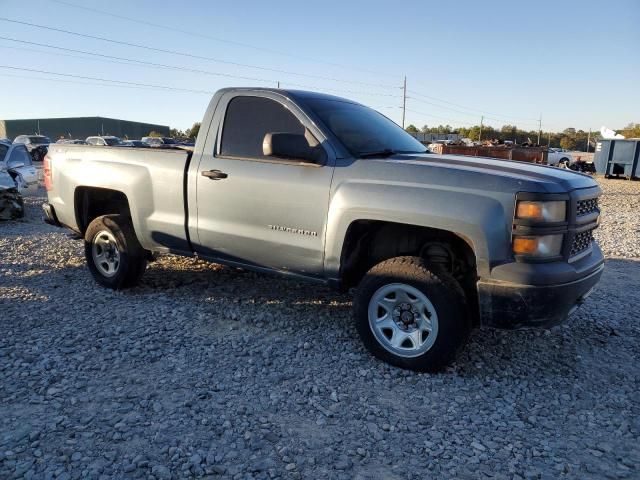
[{"x": 211, "y": 371}]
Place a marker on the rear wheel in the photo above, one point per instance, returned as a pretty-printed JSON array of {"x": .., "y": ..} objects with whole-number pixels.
[
  {"x": 114, "y": 256},
  {"x": 411, "y": 316}
]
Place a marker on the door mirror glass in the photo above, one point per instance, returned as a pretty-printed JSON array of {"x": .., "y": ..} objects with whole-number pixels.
[{"x": 292, "y": 146}]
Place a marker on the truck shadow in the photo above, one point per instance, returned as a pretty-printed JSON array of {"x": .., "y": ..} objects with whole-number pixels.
[
  {"x": 270, "y": 303},
  {"x": 532, "y": 353}
]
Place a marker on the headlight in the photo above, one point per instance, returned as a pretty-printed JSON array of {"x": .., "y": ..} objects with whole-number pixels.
[
  {"x": 552, "y": 211},
  {"x": 539, "y": 246}
]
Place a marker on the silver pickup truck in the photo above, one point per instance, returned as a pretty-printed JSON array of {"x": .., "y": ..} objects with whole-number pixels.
[{"x": 325, "y": 189}]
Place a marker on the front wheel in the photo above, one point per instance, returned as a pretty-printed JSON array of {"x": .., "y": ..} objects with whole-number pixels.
[
  {"x": 114, "y": 256},
  {"x": 411, "y": 316}
]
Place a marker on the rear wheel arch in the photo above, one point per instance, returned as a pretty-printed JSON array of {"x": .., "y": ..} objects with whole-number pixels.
[{"x": 93, "y": 202}]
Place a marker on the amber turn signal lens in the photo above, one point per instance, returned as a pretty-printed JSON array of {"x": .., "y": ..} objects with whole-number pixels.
[
  {"x": 532, "y": 210},
  {"x": 525, "y": 245},
  {"x": 542, "y": 211}
]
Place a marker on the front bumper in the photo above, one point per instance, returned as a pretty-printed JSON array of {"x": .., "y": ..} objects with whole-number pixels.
[{"x": 505, "y": 304}]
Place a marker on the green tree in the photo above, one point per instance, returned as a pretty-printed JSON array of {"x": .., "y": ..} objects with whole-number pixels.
[
  {"x": 153, "y": 133},
  {"x": 412, "y": 129},
  {"x": 193, "y": 131},
  {"x": 175, "y": 133},
  {"x": 631, "y": 131},
  {"x": 568, "y": 143}
]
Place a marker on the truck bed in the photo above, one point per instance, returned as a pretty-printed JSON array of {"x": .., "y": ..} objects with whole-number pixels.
[{"x": 152, "y": 180}]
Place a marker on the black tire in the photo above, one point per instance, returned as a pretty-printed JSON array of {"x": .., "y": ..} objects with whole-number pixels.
[
  {"x": 132, "y": 260},
  {"x": 445, "y": 295},
  {"x": 37, "y": 155}
]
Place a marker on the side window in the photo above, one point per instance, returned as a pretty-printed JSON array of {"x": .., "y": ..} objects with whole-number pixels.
[
  {"x": 19, "y": 155},
  {"x": 249, "y": 119}
]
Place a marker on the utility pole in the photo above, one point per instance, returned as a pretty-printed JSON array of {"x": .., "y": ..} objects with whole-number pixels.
[
  {"x": 278, "y": 83},
  {"x": 404, "y": 99},
  {"x": 549, "y": 140},
  {"x": 480, "y": 135},
  {"x": 539, "y": 128},
  {"x": 588, "y": 140}
]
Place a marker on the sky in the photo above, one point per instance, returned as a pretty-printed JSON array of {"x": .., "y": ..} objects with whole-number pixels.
[{"x": 572, "y": 63}]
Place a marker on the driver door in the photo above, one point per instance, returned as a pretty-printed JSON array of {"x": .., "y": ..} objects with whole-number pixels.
[{"x": 255, "y": 209}]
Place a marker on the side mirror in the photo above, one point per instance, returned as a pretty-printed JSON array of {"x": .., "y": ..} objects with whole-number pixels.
[{"x": 292, "y": 146}]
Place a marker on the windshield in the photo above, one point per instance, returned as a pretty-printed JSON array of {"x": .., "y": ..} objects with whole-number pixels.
[
  {"x": 3, "y": 151},
  {"x": 363, "y": 130},
  {"x": 112, "y": 141},
  {"x": 39, "y": 140},
  {"x": 169, "y": 141}
]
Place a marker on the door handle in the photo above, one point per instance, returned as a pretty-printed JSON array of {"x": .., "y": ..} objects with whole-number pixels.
[{"x": 214, "y": 174}]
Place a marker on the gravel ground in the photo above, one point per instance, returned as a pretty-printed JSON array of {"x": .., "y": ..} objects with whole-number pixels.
[{"x": 212, "y": 371}]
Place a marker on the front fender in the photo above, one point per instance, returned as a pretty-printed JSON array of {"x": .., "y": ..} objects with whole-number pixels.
[{"x": 482, "y": 220}]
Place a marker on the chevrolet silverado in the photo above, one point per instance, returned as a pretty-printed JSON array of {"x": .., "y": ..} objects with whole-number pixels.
[{"x": 322, "y": 188}]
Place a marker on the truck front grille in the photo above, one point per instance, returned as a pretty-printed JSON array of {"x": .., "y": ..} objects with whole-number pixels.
[
  {"x": 581, "y": 242},
  {"x": 585, "y": 207}
]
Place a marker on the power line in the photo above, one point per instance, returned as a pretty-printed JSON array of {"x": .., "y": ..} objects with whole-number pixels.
[
  {"x": 210, "y": 37},
  {"x": 472, "y": 109},
  {"x": 122, "y": 82},
  {"x": 128, "y": 61},
  {"x": 190, "y": 55},
  {"x": 462, "y": 112},
  {"x": 438, "y": 106},
  {"x": 77, "y": 82},
  {"x": 438, "y": 116},
  {"x": 110, "y": 82}
]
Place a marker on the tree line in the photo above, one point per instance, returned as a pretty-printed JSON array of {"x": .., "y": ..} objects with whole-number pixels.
[{"x": 569, "y": 138}]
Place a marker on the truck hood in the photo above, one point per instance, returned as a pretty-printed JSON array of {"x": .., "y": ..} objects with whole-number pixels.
[{"x": 486, "y": 173}]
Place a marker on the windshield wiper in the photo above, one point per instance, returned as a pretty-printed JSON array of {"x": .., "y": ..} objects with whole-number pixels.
[{"x": 387, "y": 152}]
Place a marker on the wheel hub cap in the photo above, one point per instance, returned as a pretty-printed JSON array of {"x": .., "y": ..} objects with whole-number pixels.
[
  {"x": 105, "y": 253},
  {"x": 403, "y": 320}
]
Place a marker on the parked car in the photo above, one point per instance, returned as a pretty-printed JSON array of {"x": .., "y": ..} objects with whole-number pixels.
[
  {"x": 17, "y": 161},
  {"x": 105, "y": 141},
  {"x": 11, "y": 201},
  {"x": 558, "y": 156},
  {"x": 134, "y": 143},
  {"x": 36, "y": 144},
  {"x": 160, "y": 142},
  {"x": 70, "y": 141},
  {"x": 17, "y": 176},
  {"x": 321, "y": 188}
]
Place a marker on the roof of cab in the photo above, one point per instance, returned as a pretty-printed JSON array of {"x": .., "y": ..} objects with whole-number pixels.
[{"x": 296, "y": 94}]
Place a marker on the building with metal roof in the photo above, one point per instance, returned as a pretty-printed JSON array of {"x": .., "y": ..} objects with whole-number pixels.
[{"x": 79, "y": 127}]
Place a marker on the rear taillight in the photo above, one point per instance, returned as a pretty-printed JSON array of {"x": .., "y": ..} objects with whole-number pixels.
[{"x": 46, "y": 166}]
